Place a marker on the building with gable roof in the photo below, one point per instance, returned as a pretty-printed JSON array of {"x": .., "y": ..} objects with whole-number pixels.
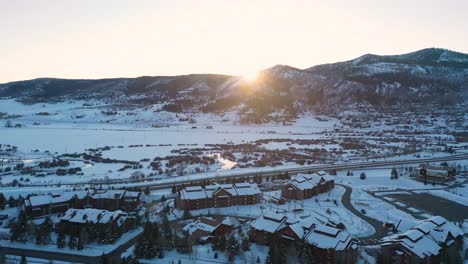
[
  {"x": 204, "y": 228},
  {"x": 428, "y": 242},
  {"x": 305, "y": 186},
  {"x": 41, "y": 205},
  {"x": 74, "y": 220},
  {"x": 217, "y": 195},
  {"x": 332, "y": 245}
]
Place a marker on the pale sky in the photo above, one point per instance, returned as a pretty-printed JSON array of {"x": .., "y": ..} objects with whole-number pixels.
[{"x": 117, "y": 38}]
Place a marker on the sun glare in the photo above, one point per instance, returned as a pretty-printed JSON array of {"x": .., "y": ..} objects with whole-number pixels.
[{"x": 251, "y": 76}]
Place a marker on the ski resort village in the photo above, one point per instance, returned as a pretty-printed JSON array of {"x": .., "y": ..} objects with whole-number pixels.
[{"x": 82, "y": 185}]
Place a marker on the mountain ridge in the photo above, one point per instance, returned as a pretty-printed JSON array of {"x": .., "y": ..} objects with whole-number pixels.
[{"x": 427, "y": 76}]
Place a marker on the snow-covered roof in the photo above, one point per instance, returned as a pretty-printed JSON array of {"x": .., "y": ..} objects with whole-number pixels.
[
  {"x": 423, "y": 246},
  {"x": 247, "y": 189},
  {"x": 307, "y": 223},
  {"x": 129, "y": 194},
  {"x": 208, "y": 224},
  {"x": 109, "y": 194},
  {"x": 192, "y": 193},
  {"x": 309, "y": 181},
  {"x": 230, "y": 221},
  {"x": 269, "y": 222},
  {"x": 201, "y": 224},
  {"x": 92, "y": 215},
  {"x": 424, "y": 239},
  {"x": 297, "y": 229},
  {"x": 326, "y": 237},
  {"x": 193, "y": 188},
  {"x": 227, "y": 187},
  {"x": 238, "y": 189},
  {"x": 54, "y": 199},
  {"x": 272, "y": 223}
]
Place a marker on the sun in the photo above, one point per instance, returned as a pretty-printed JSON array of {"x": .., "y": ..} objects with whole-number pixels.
[{"x": 250, "y": 76}]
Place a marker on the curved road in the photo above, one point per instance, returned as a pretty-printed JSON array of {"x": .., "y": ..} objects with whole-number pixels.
[{"x": 378, "y": 226}]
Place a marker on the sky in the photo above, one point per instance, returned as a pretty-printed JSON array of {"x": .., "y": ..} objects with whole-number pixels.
[{"x": 116, "y": 38}]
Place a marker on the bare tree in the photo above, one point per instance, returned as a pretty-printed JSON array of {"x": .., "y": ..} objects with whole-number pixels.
[{"x": 181, "y": 168}]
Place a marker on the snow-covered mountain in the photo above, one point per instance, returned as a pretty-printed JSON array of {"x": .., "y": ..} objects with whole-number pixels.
[{"x": 426, "y": 77}]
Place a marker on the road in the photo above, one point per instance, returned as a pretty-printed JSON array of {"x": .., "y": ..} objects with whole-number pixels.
[
  {"x": 377, "y": 225},
  {"x": 263, "y": 172},
  {"x": 167, "y": 183}
]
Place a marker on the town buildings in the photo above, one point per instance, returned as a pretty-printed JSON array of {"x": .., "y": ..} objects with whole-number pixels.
[
  {"x": 434, "y": 174},
  {"x": 304, "y": 186},
  {"x": 332, "y": 245},
  {"x": 217, "y": 195},
  {"x": 41, "y": 205},
  {"x": 434, "y": 240},
  {"x": 74, "y": 220},
  {"x": 204, "y": 229},
  {"x": 329, "y": 244}
]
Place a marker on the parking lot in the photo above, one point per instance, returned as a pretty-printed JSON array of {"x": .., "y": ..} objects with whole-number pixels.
[{"x": 434, "y": 205}]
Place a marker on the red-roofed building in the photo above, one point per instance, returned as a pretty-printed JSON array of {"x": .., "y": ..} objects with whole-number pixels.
[
  {"x": 305, "y": 186},
  {"x": 217, "y": 195}
]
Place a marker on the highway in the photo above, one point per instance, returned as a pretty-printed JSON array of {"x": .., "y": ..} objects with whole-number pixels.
[
  {"x": 167, "y": 183},
  {"x": 158, "y": 183}
]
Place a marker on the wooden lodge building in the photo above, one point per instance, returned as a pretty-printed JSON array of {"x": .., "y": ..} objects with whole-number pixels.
[
  {"x": 305, "y": 186},
  {"x": 74, "y": 220},
  {"x": 434, "y": 240},
  {"x": 204, "y": 228},
  {"x": 217, "y": 195},
  {"x": 330, "y": 244},
  {"x": 41, "y": 205}
]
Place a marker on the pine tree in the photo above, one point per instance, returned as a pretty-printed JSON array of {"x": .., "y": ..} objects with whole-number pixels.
[
  {"x": 2, "y": 201},
  {"x": 187, "y": 215},
  {"x": 245, "y": 244},
  {"x": 23, "y": 260},
  {"x": 166, "y": 227},
  {"x": 12, "y": 202},
  {"x": 72, "y": 243},
  {"x": 80, "y": 244},
  {"x": 43, "y": 232},
  {"x": 61, "y": 240},
  {"x": 232, "y": 248},
  {"x": 306, "y": 256},
  {"x": 362, "y": 176},
  {"x": 274, "y": 254},
  {"x": 141, "y": 248},
  {"x": 19, "y": 228},
  {"x": 222, "y": 243},
  {"x": 269, "y": 258},
  {"x": 146, "y": 246}
]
